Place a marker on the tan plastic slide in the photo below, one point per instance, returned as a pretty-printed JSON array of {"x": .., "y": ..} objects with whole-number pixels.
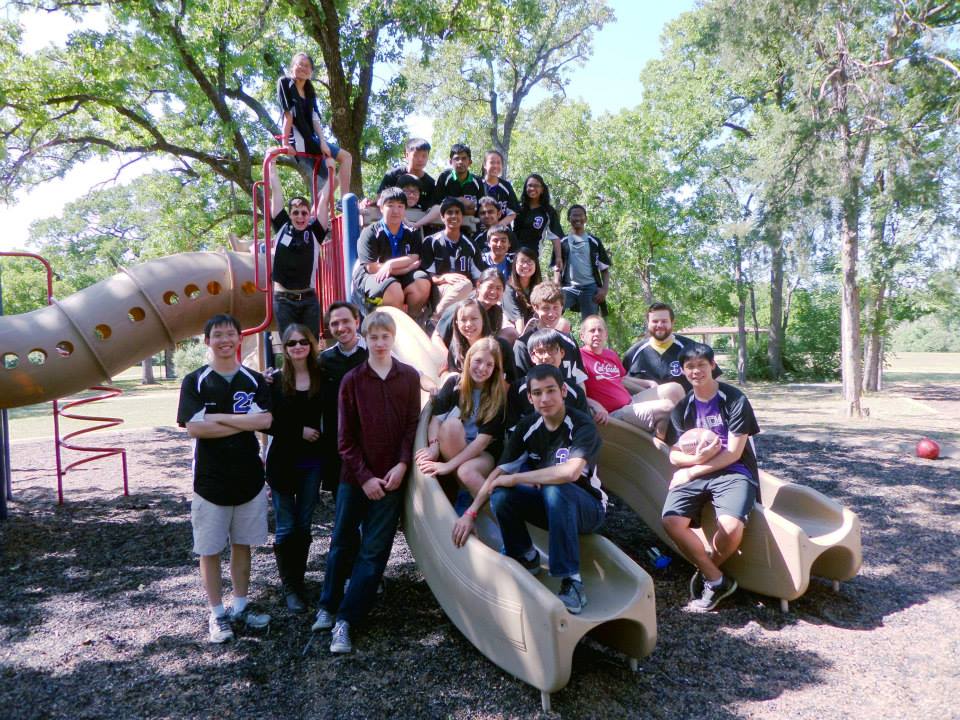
[
  {"x": 796, "y": 533},
  {"x": 513, "y": 618}
]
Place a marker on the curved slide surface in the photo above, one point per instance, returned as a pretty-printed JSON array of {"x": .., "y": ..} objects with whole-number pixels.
[{"x": 796, "y": 533}]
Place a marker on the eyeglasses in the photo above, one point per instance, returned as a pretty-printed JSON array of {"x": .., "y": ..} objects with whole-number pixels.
[{"x": 302, "y": 341}]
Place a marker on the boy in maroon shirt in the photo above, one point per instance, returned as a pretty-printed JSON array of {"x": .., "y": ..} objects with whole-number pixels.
[{"x": 378, "y": 412}]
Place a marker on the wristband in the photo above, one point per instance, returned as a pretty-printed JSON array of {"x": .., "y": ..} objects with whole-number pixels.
[{"x": 470, "y": 513}]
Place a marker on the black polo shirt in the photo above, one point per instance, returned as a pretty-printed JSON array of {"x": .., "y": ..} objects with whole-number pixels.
[
  {"x": 428, "y": 186},
  {"x": 540, "y": 447},
  {"x": 448, "y": 186},
  {"x": 227, "y": 470},
  {"x": 643, "y": 361},
  {"x": 503, "y": 193},
  {"x": 440, "y": 256},
  {"x": 571, "y": 366},
  {"x": 295, "y": 252},
  {"x": 373, "y": 245},
  {"x": 519, "y": 405}
]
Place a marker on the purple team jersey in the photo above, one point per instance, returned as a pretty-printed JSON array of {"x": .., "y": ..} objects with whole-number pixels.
[{"x": 709, "y": 416}]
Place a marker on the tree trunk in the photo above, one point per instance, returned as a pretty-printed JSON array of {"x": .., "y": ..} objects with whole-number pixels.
[
  {"x": 147, "y": 377},
  {"x": 850, "y": 357},
  {"x": 753, "y": 312},
  {"x": 169, "y": 371},
  {"x": 741, "y": 316},
  {"x": 777, "y": 325}
]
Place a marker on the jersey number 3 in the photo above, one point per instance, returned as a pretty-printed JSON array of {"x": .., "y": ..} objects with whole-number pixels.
[{"x": 242, "y": 402}]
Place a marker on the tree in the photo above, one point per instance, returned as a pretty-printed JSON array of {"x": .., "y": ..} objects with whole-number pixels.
[{"x": 509, "y": 48}]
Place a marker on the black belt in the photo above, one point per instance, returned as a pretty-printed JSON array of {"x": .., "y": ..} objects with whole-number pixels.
[{"x": 294, "y": 295}]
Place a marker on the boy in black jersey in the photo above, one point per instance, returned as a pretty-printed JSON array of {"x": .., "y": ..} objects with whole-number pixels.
[
  {"x": 388, "y": 269},
  {"x": 449, "y": 259},
  {"x": 455, "y": 182},
  {"x": 562, "y": 494},
  {"x": 221, "y": 406},
  {"x": 296, "y": 251},
  {"x": 417, "y": 155},
  {"x": 547, "y": 301}
]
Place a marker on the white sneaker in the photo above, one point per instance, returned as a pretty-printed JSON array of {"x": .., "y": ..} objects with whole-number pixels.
[
  {"x": 249, "y": 618},
  {"x": 340, "y": 639},
  {"x": 220, "y": 630},
  {"x": 324, "y": 620}
]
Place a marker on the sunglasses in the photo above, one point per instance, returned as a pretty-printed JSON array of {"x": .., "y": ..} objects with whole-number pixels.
[
  {"x": 293, "y": 343},
  {"x": 296, "y": 213}
]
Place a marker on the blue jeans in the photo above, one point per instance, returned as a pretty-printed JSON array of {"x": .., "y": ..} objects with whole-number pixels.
[
  {"x": 581, "y": 296},
  {"x": 363, "y": 556},
  {"x": 293, "y": 512},
  {"x": 565, "y": 511}
]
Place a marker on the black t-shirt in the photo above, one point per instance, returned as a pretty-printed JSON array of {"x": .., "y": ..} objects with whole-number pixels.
[
  {"x": 302, "y": 110},
  {"x": 642, "y": 361},
  {"x": 737, "y": 414},
  {"x": 530, "y": 224},
  {"x": 445, "y": 323},
  {"x": 334, "y": 365},
  {"x": 439, "y": 257},
  {"x": 227, "y": 470},
  {"x": 503, "y": 193},
  {"x": 448, "y": 397},
  {"x": 449, "y": 186},
  {"x": 295, "y": 252},
  {"x": 571, "y": 366},
  {"x": 519, "y": 405},
  {"x": 576, "y": 437},
  {"x": 509, "y": 367},
  {"x": 289, "y": 453},
  {"x": 428, "y": 186}
]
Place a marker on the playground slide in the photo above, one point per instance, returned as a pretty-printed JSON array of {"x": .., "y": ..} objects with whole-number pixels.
[
  {"x": 795, "y": 534},
  {"x": 513, "y": 618}
]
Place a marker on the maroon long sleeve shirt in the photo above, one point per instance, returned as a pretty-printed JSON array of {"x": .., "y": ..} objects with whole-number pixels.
[{"x": 378, "y": 420}]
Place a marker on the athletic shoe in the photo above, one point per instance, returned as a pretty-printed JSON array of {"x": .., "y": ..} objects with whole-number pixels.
[
  {"x": 324, "y": 620},
  {"x": 696, "y": 585},
  {"x": 248, "y": 617},
  {"x": 220, "y": 630},
  {"x": 711, "y": 596},
  {"x": 340, "y": 639},
  {"x": 532, "y": 566},
  {"x": 572, "y": 595}
]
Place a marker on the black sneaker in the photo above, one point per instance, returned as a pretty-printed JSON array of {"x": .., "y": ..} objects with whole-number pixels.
[
  {"x": 572, "y": 595},
  {"x": 712, "y": 596},
  {"x": 533, "y": 565}
]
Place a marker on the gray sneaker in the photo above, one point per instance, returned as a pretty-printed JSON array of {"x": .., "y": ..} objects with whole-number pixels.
[
  {"x": 712, "y": 596},
  {"x": 324, "y": 620},
  {"x": 340, "y": 638},
  {"x": 220, "y": 630},
  {"x": 532, "y": 566},
  {"x": 248, "y": 617},
  {"x": 572, "y": 595}
]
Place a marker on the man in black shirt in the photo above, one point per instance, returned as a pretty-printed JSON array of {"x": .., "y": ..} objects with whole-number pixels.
[
  {"x": 418, "y": 153},
  {"x": 296, "y": 251},
  {"x": 343, "y": 319},
  {"x": 221, "y": 406},
  {"x": 561, "y": 494},
  {"x": 455, "y": 182}
]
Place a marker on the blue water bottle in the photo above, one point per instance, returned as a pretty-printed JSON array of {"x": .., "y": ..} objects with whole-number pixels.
[{"x": 659, "y": 560}]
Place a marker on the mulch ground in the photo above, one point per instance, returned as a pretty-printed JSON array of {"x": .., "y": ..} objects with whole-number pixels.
[{"x": 102, "y": 614}]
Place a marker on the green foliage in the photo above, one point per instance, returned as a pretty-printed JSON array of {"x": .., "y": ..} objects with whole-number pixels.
[
  {"x": 24, "y": 285},
  {"x": 189, "y": 356},
  {"x": 930, "y": 333},
  {"x": 813, "y": 335}
]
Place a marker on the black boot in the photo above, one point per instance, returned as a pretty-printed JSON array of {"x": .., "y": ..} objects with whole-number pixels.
[
  {"x": 301, "y": 554},
  {"x": 285, "y": 552}
]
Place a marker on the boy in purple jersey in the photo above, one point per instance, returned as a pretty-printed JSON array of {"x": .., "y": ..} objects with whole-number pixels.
[{"x": 723, "y": 473}]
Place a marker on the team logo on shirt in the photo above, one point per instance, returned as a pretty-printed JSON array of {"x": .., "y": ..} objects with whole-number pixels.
[
  {"x": 537, "y": 222},
  {"x": 242, "y": 402},
  {"x": 675, "y": 369},
  {"x": 562, "y": 455}
]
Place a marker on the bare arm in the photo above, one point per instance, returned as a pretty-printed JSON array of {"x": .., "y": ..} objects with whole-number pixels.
[
  {"x": 735, "y": 447},
  {"x": 209, "y": 429},
  {"x": 431, "y": 217},
  {"x": 287, "y": 127},
  {"x": 243, "y": 423},
  {"x": 635, "y": 385},
  {"x": 276, "y": 191},
  {"x": 565, "y": 472}
]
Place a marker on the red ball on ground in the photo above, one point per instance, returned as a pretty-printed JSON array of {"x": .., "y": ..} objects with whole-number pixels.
[{"x": 928, "y": 449}]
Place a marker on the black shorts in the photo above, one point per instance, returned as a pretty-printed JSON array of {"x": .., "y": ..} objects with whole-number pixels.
[
  {"x": 732, "y": 494},
  {"x": 372, "y": 288}
]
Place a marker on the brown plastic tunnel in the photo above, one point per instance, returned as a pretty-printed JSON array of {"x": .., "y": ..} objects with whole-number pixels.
[{"x": 98, "y": 332}]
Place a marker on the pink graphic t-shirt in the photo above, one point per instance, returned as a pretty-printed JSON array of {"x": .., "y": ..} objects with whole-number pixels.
[{"x": 604, "y": 373}]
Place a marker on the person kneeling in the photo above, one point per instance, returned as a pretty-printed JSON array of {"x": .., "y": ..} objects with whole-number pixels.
[
  {"x": 723, "y": 472},
  {"x": 466, "y": 429},
  {"x": 561, "y": 494}
]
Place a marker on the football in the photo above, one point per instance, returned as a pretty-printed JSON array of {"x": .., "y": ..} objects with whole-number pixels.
[
  {"x": 693, "y": 441},
  {"x": 927, "y": 449}
]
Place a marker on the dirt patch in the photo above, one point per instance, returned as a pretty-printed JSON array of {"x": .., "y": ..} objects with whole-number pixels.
[{"x": 101, "y": 612}]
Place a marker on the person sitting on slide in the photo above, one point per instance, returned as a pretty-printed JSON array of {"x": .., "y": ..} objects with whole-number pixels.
[
  {"x": 466, "y": 431},
  {"x": 302, "y": 129},
  {"x": 489, "y": 293},
  {"x": 523, "y": 278},
  {"x": 417, "y": 155},
  {"x": 547, "y": 301},
  {"x": 297, "y": 234},
  {"x": 455, "y": 182},
  {"x": 561, "y": 492},
  {"x": 723, "y": 473},
  {"x": 470, "y": 324},
  {"x": 546, "y": 348},
  {"x": 448, "y": 258},
  {"x": 497, "y": 255},
  {"x": 489, "y": 215},
  {"x": 611, "y": 392},
  {"x": 388, "y": 269}
]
